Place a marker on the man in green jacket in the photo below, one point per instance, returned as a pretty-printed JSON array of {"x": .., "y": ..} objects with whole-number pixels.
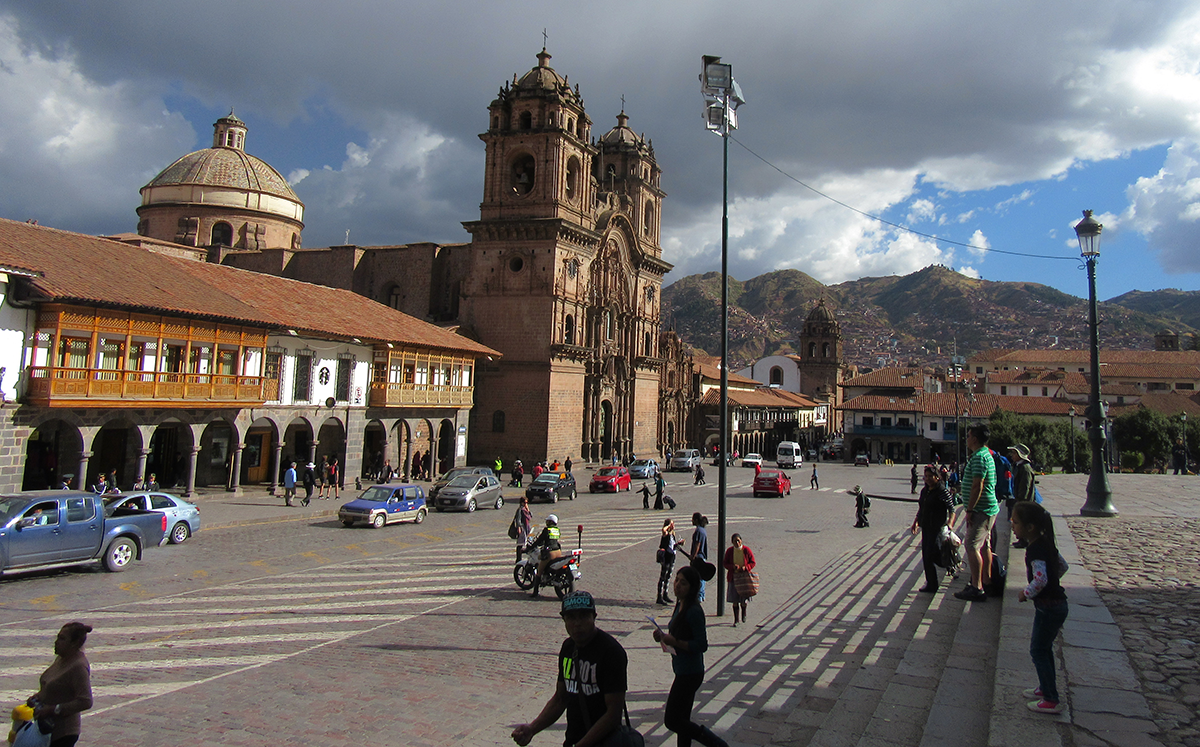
[{"x": 979, "y": 480}]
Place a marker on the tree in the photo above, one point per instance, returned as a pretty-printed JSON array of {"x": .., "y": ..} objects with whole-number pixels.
[
  {"x": 1049, "y": 441},
  {"x": 1146, "y": 432}
]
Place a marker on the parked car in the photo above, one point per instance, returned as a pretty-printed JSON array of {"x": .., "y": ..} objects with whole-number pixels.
[
  {"x": 610, "y": 480},
  {"x": 59, "y": 528},
  {"x": 445, "y": 479},
  {"x": 468, "y": 492},
  {"x": 752, "y": 460},
  {"x": 644, "y": 469},
  {"x": 862, "y": 460},
  {"x": 380, "y": 505},
  {"x": 685, "y": 460},
  {"x": 772, "y": 482},
  {"x": 548, "y": 487},
  {"x": 183, "y": 518}
]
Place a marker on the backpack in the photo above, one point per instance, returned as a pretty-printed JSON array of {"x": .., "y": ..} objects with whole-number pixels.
[{"x": 1004, "y": 476}]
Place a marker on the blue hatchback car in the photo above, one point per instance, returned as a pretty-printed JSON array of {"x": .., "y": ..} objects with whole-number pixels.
[{"x": 380, "y": 505}]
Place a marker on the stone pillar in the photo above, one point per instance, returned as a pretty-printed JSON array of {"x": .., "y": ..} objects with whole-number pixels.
[
  {"x": 276, "y": 460},
  {"x": 141, "y": 466},
  {"x": 235, "y": 479},
  {"x": 191, "y": 476},
  {"x": 312, "y": 451},
  {"x": 433, "y": 457},
  {"x": 81, "y": 476}
]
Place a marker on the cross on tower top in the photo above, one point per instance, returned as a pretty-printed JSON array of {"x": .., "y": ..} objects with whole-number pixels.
[
  {"x": 622, "y": 102},
  {"x": 545, "y": 37}
]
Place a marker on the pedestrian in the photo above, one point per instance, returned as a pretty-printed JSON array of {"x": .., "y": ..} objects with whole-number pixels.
[
  {"x": 592, "y": 680},
  {"x": 386, "y": 472},
  {"x": 289, "y": 484},
  {"x": 645, "y": 491},
  {"x": 687, "y": 638},
  {"x": 427, "y": 465},
  {"x": 813, "y": 483},
  {"x": 862, "y": 507},
  {"x": 699, "y": 474},
  {"x": 979, "y": 478},
  {"x": 416, "y": 465},
  {"x": 567, "y": 464},
  {"x": 65, "y": 688},
  {"x": 498, "y": 465},
  {"x": 309, "y": 480},
  {"x": 335, "y": 474},
  {"x": 699, "y": 548},
  {"x": 537, "y": 469},
  {"x": 101, "y": 486},
  {"x": 659, "y": 486},
  {"x": 1023, "y": 481},
  {"x": 913, "y": 479},
  {"x": 112, "y": 482},
  {"x": 739, "y": 559},
  {"x": 1178, "y": 456},
  {"x": 935, "y": 510},
  {"x": 322, "y": 477},
  {"x": 1044, "y": 567},
  {"x": 554, "y": 466},
  {"x": 523, "y": 521},
  {"x": 152, "y": 482},
  {"x": 666, "y": 560},
  {"x": 548, "y": 541}
]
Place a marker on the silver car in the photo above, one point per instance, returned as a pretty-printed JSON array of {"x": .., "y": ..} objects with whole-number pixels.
[
  {"x": 183, "y": 518},
  {"x": 468, "y": 492},
  {"x": 644, "y": 469}
]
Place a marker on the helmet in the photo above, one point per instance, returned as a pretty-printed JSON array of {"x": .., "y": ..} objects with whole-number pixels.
[{"x": 552, "y": 519}]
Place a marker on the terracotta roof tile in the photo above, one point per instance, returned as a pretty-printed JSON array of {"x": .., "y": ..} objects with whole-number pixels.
[
  {"x": 889, "y": 377},
  {"x": 85, "y": 269},
  {"x": 713, "y": 373},
  {"x": 761, "y": 397},
  {"x": 1082, "y": 358}
]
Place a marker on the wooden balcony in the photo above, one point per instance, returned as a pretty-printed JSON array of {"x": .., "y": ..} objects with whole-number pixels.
[
  {"x": 420, "y": 395},
  {"x": 93, "y": 387}
]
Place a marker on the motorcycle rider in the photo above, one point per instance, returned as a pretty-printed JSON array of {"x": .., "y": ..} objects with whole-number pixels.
[{"x": 550, "y": 549}]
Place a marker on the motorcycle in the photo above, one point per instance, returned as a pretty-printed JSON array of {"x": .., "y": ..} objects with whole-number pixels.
[{"x": 562, "y": 573}]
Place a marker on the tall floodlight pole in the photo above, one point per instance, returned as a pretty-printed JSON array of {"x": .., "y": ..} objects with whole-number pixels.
[
  {"x": 722, "y": 97},
  {"x": 1099, "y": 494}
]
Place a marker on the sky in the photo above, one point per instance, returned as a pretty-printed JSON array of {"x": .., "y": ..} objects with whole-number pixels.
[{"x": 992, "y": 128}]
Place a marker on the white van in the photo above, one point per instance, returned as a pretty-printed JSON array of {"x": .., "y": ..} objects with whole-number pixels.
[
  {"x": 685, "y": 459},
  {"x": 788, "y": 455}
]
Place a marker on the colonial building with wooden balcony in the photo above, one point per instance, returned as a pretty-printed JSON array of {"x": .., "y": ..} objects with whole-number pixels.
[{"x": 117, "y": 358}]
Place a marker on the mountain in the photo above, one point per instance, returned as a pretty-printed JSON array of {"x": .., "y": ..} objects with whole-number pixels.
[{"x": 914, "y": 319}]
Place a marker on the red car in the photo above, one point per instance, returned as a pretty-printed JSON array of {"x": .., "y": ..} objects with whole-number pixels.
[
  {"x": 772, "y": 482},
  {"x": 610, "y": 480}
]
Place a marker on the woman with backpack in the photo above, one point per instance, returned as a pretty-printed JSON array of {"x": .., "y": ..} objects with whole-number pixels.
[{"x": 935, "y": 509}]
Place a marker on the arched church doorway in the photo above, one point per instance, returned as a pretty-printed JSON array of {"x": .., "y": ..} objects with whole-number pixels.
[{"x": 606, "y": 434}]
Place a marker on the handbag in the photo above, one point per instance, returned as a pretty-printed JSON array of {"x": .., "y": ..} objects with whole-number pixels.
[
  {"x": 746, "y": 583},
  {"x": 706, "y": 569},
  {"x": 660, "y": 556},
  {"x": 28, "y": 734},
  {"x": 622, "y": 736},
  {"x": 512, "y": 529}
]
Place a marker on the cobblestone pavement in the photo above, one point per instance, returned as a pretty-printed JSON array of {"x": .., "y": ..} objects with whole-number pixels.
[{"x": 1146, "y": 572}]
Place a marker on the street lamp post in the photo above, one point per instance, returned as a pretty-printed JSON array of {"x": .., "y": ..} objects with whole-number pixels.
[
  {"x": 1183, "y": 435},
  {"x": 1099, "y": 494},
  {"x": 722, "y": 97},
  {"x": 1072, "y": 412}
]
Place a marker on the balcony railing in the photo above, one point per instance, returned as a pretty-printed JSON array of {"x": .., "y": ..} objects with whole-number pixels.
[
  {"x": 76, "y": 387},
  {"x": 437, "y": 395}
]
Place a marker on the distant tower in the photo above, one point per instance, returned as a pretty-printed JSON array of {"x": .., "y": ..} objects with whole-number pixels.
[
  {"x": 1166, "y": 339},
  {"x": 821, "y": 355},
  {"x": 222, "y": 198}
]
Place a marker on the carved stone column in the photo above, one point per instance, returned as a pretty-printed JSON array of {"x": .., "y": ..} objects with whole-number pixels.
[
  {"x": 235, "y": 479},
  {"x": 276, "y": 460},
  {"x": 81, "y": 476},
  {"x": 191, "y": 475}
]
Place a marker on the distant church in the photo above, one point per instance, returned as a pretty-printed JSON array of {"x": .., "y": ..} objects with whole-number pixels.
[{"x": 563, "y": 272}]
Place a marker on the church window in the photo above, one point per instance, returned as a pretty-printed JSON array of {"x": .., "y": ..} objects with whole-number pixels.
[
  {"x": 572, "y": 180},
  {"x": 648, "y": 221},
  {"x": 812, "y": 350},
  {"x": 526, "y": 121},
  {"x": 608, "y": 325},
  {"x": 649, "y": 346},
  {"x": 516, "y": 264},
  {"x": 523, "y": 174},
  {"x": 395, "y": 298},
  {"x": 495, "y": 123},
  {"x": 498, "y": 421},
  {"x": 776, "y": 377},
  {"x": 222, "y": 234},
  {"x": 569, "y": 330},
  {"x": 825, "y": 350},
  {"x": 571, "y": 125}
]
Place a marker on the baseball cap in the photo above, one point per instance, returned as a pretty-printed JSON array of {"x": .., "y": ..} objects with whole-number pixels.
[{"x": 578, "y": 600}]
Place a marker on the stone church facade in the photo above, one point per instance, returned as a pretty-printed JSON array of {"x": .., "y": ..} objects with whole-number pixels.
[{"x": 562, "y": 275}]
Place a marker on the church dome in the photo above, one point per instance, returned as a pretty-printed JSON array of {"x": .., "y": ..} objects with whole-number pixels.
[
  {"x": 820, "y": 313},
  {"x": 621, "y": 134},
  {"x": 541, "y": 77}
]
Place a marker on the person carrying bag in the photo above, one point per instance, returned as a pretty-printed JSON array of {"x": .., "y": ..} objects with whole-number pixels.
[{"x": 743, "y": 581}]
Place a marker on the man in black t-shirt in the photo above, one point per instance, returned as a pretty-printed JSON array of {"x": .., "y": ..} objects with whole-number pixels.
[{"x": 592, "y": 679}]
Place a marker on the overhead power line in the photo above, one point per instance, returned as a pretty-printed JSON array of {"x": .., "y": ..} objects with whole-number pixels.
[{"x": 885, "y": 221}]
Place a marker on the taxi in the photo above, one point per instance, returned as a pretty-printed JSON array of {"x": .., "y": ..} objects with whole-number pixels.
[{"x": 380, "y": 505}]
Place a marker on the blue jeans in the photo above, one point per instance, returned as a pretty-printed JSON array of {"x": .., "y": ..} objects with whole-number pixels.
[{"x": 1048, "y": 619}]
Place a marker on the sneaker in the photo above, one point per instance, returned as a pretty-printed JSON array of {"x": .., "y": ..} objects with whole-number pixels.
[
  {"x": 1044, "y": 706},
  {"x": 971, "y": 594},
  {"x": 1033, "y": 692}
]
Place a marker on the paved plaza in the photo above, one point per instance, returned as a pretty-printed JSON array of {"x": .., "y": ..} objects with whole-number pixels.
[{"x": 417, "y": 635}]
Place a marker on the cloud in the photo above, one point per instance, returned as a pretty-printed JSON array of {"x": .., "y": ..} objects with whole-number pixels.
[
  {"x": 968, "y": 271},
  {"x": 65, "y": 155},
  {"x": 1166, "y": 209}
]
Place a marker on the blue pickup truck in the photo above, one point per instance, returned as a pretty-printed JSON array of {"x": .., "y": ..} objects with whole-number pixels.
[{"x": 58, "y": 528}]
